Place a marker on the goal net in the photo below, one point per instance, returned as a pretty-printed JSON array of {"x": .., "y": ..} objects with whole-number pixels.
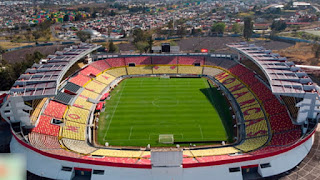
[
  {"x": 164, "y": 76},
  {"x": 166, "y": 138}
]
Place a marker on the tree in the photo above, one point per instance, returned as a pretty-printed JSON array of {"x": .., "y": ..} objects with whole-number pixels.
[
  {"x": 150, "y": 42},
  {"x": 142, "y": 46},
  {"x": 170, "y": 24},
  {"x": 78, "y": 17},
  {"x": 138, "y": 35},
  {"x": 236, "y": 28},
  {"x": 1, "y": 50},
  {"x": 66, "y": 18},
  {"x": 123, "y": 32},
  {"x": 248, "y": 28},
  {"x": 7, "y": 77},
  {"x": 83, "y": 35},
  {"x": 112, "y": 47},
  {"x": 288, "y": 5},
  {"x": 218, "y": 28},
  {"x": 181, "y": 30},
  {"x": 278, "y": 26},
  {"x": 316, "y": 50},
  {"x": 94, "y": 15},
  {"x": 112, "y": 13},
  {"x": 109, "y": 31},
  {"x": 36, "y": 35},
  {"x": 45, "y": 25}
]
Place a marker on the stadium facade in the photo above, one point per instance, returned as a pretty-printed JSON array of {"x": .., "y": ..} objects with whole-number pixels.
[{"x": 275, "y": 105}]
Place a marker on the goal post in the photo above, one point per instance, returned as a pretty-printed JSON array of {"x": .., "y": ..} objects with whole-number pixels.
[
  {"x": 166, "y": 139},
  {"x": 164, "y": 76}
]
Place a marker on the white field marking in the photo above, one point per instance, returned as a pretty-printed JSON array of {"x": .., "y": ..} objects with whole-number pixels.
[
  {"x": 141, "y": 81},
  {"x": 149, "y": 139},
  {"x": 128, "y": 140},
  {"x": 130, "y": 132},
  {"x": 182, "y": 135},
  {"x": 104, "y": 138},
  {"x": 201, "y": 131}
]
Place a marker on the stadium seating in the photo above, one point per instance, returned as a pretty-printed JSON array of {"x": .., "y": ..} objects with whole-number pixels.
[
  {"x": 211, "y": 71},
  {"x": 105, "y": 78},
  {"x": 89, "y": 94},
  {"x": 190, "y": 60},
  {"x": 285, "y": 138},
  {"x": 117, "y": 153},
  {"x": 291, "y": 105},
  {"x": 77, "y": 146},
  {"x": 249, "y": 79},
  {"x": 210, "y": 152},
  {"x": 242, "y": 95},
  {"x": 55, "y": 109},
  {"x": 144, "y": 161},
  {"x": 63, "y": 152},
  {"x": 252, "y": 144},
  {"x": 116, "y": 62},
  {"x": 251, "y": 65},
  {"x": 73, "y": 130},
  {"x": 78, "y": 115},
  {"x": 140, "y": 70},
  {"x": 222, "y": 76},
  {"x": 95, "y": 86},
  {"x": 42, "y": 141},
  {"x": 90, "y": 70},
  {"x": 143, "y": 60},
  {"x": 262, "y": 91},
  {"x": 211, "y": 61},
  {"x": 82, "y": 102},
  {"x": 252, "y": 112},
  {"x": 256, "y": 128},
  {"x": 218, "y": 158},
  {"x": 34, "y": 115},
  {"x": 80, "y": 79},
  {"x": 281, "y": 122},
  {"x": 44, "y": 126},
  {"x": 189, "y": 161},
  {"x": 113, "y": 159},
  {"x": 273, "y": 107},
  {"x": 100, "y": 65},
  {"x": 117, "y": 71},
  {"x": 227, "y": 63},
  {"x": 165, "y": 70},
  {"x": 239, "y": 70},
  {"x": 164, "y": 60},
  {"x": 190, "y": 70}
]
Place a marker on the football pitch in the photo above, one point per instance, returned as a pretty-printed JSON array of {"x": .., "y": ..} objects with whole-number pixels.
[{"x": 141, "y": 109}]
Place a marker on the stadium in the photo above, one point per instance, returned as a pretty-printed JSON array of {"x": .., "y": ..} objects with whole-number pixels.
[{"x": 162, "y": 116}]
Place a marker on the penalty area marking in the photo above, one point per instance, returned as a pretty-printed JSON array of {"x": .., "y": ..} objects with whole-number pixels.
[
  {"x": 130, "y": 132},
  {"x": 201, "y": 132}
]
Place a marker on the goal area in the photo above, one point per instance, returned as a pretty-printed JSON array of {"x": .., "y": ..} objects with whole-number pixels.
[{"x": 166, "y": 139}]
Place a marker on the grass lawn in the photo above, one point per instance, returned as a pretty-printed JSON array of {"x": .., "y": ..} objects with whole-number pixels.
[{"x": 140, "y": 109}]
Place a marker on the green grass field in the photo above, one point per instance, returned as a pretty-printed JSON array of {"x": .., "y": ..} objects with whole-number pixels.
[{"x": 142, "y": 108}]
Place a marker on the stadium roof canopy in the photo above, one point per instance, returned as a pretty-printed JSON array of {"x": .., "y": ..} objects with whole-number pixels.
[
  {"x": 42, "y": 80},
  {"x": 283, "y": 76}
]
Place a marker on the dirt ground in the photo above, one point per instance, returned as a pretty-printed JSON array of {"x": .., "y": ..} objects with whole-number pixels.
[
  {"x": 300, "y": 53},
  {"x": 20, "y": 55}
]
